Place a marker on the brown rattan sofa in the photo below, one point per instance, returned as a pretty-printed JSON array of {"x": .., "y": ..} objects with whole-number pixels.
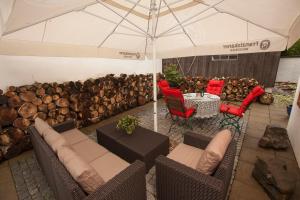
[
  {"x": 176, "y": 181},
  {"x": 129, "y": 184}
]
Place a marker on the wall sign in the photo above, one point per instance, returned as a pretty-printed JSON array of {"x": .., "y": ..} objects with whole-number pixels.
[
  {"x": 245, "y": 46},
  {"x": 130, "y": 55}
]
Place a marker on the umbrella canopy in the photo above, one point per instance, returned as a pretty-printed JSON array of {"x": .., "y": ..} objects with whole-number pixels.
[
  {"x": 155, "y": 28},
  {"x": 123, "y": 28}
]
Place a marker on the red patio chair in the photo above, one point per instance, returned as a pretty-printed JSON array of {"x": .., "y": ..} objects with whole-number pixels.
[
  {"x": 232, "y": 113},
  {"x": 163, "y": 84},
  {"x": 175, "y": 103},
  {"x": 215, "y": 87}
]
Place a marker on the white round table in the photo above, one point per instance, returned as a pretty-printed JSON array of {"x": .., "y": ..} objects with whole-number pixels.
[{"x": 207, "y": 106}]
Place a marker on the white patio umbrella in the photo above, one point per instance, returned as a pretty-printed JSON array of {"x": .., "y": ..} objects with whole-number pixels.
[{"x": 134, "y": 29}]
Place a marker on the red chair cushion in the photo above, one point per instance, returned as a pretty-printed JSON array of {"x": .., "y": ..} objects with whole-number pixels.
[
  {"x": 234, "y": 110},
  {"x": 239, "y": 111},
  {"x": 215, "y": 87},
  {"x": 256, "y": 92},
  {"x": 176, "y": 93},
  {"x": 163, "y": 84},
  {"x": 189, "y": 112},
  {"x": 216, "y": 83}
]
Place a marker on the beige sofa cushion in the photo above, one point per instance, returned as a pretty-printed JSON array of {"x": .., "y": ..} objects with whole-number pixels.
[
  {"x": 41, "y": 126},
  {"x": 219, "y": 143},
  {"x": 109, "y": 165},
  {"x": 82, "y": 172},
  {"x": 54, "y": 139},
  {"x": 208, "y": 162},
  {"x": 74, "y": 136},
  {"x": 186, "y": 154},
  {"x": 214, "y": 152},
  {"x": 89, "y": 150}
]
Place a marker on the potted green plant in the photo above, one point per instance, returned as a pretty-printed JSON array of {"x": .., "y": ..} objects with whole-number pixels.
[
  {"x": 128, "y": 124},
  {"x": 173, "y": 76}
]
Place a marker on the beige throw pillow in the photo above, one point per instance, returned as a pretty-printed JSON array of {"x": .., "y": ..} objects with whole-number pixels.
[
  {"x": 208, "y": 162},
  {"x": 219, "y": 143},
  {"x": 41, "y": 126},
  {"x": 214, "y": 152},
  {"x": 54, "y": 139},
  {"x": 82, "y": 172}
]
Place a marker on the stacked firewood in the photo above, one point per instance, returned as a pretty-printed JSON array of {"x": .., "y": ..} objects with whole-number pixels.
[
  {"x": 87, "y": 102},
  {"x": 234, "y": 89},
  {"x": 193, "y": 84},
  {"x": 238, "y": 89}
]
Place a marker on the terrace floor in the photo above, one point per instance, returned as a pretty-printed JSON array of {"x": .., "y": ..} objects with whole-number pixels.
[{"x": 244, "y": 186}]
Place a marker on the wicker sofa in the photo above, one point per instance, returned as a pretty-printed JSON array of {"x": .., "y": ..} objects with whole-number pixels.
[
  {"x": 176, "y": 181},
  {"x": 129, "y": 184}
]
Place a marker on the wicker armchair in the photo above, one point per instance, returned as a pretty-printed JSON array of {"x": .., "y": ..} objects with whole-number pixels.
[{"x": 175, "y": 181}]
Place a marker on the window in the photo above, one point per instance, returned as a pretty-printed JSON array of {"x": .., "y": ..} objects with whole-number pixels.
[{"x": 224, "y": 57}]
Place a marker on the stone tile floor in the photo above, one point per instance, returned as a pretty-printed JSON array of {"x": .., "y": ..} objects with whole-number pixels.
[
  {"x": 244, "y": 185},
  {"x": 21, "y": 176}
]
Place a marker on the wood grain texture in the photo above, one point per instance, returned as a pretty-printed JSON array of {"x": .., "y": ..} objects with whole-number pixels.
[{"x": 260, "y": 66}]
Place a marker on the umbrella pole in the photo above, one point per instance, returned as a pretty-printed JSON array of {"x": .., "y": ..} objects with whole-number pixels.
[
  {"x": 154, "y": 18},
  {"x": 154, "y": 84}
]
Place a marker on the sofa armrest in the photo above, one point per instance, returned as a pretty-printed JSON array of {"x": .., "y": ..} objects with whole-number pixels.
[
  {"x": 130, "y": 184},
  {"x": 196, "y": 140},
  {"x": 176, "y": 181},
  {"x": 65, "y": 126}
]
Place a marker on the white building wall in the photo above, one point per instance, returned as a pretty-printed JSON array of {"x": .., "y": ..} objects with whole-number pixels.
[
  {"x": 293, "y": 127},
  {"x": 20, "y": 70},
  {"x": 288, "y": 70}
]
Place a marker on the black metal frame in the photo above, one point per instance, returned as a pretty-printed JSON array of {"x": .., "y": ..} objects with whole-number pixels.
[
  {"x": 186, "y": 122},
  {"x": 231, "y": 120}
]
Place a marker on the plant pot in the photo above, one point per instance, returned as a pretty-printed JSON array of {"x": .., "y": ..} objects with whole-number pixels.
[{"x": 289, "y": 109}]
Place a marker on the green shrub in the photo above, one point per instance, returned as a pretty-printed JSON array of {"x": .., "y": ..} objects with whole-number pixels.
[
  {"x": 173, "y": 76},
  {"x": 293, "y": 50}
]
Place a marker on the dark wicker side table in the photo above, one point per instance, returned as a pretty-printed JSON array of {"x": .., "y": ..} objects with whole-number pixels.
[{"x": 143, "y": 144}]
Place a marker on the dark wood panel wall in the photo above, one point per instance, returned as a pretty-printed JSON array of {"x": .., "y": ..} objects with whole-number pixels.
[{"x": 261, "y": 66}]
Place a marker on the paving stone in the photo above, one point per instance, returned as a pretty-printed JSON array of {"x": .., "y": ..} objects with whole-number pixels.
[
  {"x": 280, "y": 123},
  {"x": 287, "y": 154},
  {"x": 31, "y": 183},
  {"x": 249, "y": 155},
  {"x": 255, "y": 131},
  {"x": 251, "y": 142},
  {"x": 242, "y": 191},
  {"x": 244, "y": 170},
  {"x": 37, "y": 196}
]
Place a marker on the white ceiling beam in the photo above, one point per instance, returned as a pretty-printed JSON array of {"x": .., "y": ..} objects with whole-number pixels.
[
  {"x": 49, "y": 18},
  {"x": 190, "y": 18},
  {"x": 117, "y": 25},
  {"x": 148, "y": 24},
  {"x": 113, "y": 22},
  {"x": 130, "y": 22},
  {"x": 159, "y": 7},
  {"x": 139, "y": 5},
  {"x": 183, "y": 29},
  {"x": 192, "y": 22},
  {"x": 244, "y": 19}
]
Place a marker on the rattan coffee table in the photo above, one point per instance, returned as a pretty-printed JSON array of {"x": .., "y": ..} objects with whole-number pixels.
[{"x": 143, "y": 144}]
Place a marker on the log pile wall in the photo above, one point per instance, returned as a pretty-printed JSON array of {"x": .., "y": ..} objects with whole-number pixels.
[
  {"x": 87, "y": 102},
  {"x": 235, "y": 89}
]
